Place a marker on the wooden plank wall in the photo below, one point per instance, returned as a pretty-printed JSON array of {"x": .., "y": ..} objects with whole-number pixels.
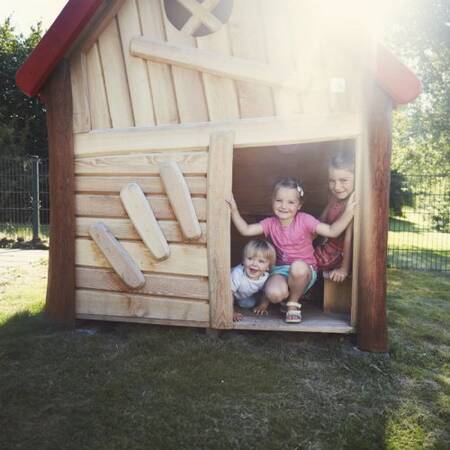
[
  {"x": 115, "y": 90},
  {"x": 176, "y": 289}
]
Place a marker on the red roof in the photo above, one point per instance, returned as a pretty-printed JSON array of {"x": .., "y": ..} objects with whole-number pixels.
[{"x": 392, "y": 75}]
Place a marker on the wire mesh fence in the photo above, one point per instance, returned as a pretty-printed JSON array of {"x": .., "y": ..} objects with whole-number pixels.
[
  {"x": 419, "y": 228},
  {"x": 24, "y": 199}
]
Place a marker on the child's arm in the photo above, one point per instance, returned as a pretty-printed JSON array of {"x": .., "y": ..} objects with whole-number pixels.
[
  {"x": 336, "y": 228},
  {"x": 242, "y": 226},
  {"x": 341, "y": 273}
]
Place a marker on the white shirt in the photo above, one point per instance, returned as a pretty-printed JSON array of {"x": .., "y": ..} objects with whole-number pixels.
[{"x": 242, "y": 286}]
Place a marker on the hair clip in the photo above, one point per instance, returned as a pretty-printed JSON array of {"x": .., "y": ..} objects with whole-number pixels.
[{"x": 300, "y": 191}]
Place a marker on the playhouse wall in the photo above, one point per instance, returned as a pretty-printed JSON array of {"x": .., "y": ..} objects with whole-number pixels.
[{"x": 112, "y": 89}]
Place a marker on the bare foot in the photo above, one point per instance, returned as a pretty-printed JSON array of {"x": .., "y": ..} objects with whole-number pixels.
[
  {"x": 261, "y": 309},
  {"x": 237, "y": 316}
]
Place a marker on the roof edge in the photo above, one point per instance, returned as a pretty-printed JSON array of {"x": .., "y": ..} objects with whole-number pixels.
[{"x": 34, "y": 72}]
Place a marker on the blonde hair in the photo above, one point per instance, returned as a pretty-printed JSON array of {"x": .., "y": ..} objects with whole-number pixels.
[
  {"x": 343, "y": 160},
  {"x": 263, "y": 247},
  {"x": 290, "y": 183}
]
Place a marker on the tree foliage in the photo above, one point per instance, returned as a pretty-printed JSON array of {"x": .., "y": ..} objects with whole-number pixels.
[
  {"x": 420, "y": 35},
  {"x": 22, "y": 119}
]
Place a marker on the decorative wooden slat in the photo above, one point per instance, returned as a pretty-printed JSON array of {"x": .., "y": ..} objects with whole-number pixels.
[
  {"x": 78, "y": 77},
  {"x": 196, "y": 20},
  {"x": 279, "y": 53},
  {"x": 130, "y": 305},
  {"x": 116, "y": 255},
  {"x": 249, "y": 133},
  {"x": 98, "y": 103},
  {"x": 247, "y": 42},
  {"x": 111, "y": 206},
  {"x": 149, "y": 185},
  {"x": 143, "y": 219},
  {"x": 220, "y": 92},
  {"x": 188, "y": 84},
  {"x": 155, "y": 284},
  {"x": 225, "y": 66},
  {"x": 220, "y": 168},
  {"x": 184, "y": 260},
  {"x": 190, "y": 163},
  {"x": 180, "y": 199},
  {"x": 163, "y": 91},
  {"x": 136, "y": 69},
  {"x": 202, "y": 14},
  {"x": 115, "y": 77},
  {"x": 124, "y": 229}
]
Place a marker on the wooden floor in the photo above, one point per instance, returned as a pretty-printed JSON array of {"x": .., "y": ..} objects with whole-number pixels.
[{"x": 314, "y": 320}]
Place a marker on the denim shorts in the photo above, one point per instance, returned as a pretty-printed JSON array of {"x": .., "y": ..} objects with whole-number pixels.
[
  {"x": 246, "y": 303},
  {"x": 285, "y": 269}
]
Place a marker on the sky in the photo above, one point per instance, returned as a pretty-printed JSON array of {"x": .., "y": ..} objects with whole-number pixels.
[{"x": 25, "y": 13}]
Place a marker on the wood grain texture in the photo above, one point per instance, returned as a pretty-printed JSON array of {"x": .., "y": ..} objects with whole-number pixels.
[
  {"x": 155, "y": 284},
  {"x": 374, "y": 206},
  {"x": 60, "y": 301},
  {"x": 111, "y": 206},
  {"x": 143, "y": 218},
  {"x": 190, "y": 163},
  {"x": 185, "y": 259},
  {"x": 249, "y": 133},
  {"x": 160, "y": 75},
  {"x": 78, "y": 77},
  {"x": 98, "y": 102},
  {"x": 124, "y": 229},
  {"x": 114, "y": 72},
  {"x": 136, "y": 69},
  {"x": 337, "y": 297},
  {"x": 180, "y": 199},
  {"x": 116, "y": 255},
  {"x": 188, "y": 84},
  {"x": 131, "y": 305},
  {"x": 149, "y": 185},
  {"x": 220, "y": 167}
]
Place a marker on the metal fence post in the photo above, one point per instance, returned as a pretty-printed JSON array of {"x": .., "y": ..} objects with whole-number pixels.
[{"x": 36, "y": 204}]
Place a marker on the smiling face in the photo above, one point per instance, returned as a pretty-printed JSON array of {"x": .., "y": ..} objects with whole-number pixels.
[
  {"x": 341, "y": 182},
  {"x": 255, "y": 264},
  {"x": 285, "y": 204}
]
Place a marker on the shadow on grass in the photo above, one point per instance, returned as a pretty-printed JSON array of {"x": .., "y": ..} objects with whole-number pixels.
[
  {"x": 115, "y": 385},
  {"x": 420, "y": 259},
  {"x": 399, "y": 224}
]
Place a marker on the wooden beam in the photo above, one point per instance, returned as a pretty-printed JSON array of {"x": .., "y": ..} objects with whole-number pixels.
[
  {"x": 248, "y": 133},
  {"x": 373, "y": 219},
  {"x": 60, "y": 302},
  {"x": 220, "y": 168},
  {"x": 224, "y": 66}
]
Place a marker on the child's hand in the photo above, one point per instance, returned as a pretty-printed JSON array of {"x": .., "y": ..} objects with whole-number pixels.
[
  {"x": 232, "y": 203},
  {"x": 338, "y": 275},
  {"x": 351, "y": 204}
]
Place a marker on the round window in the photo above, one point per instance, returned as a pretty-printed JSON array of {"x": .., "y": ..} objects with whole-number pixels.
[{"x": 198, "y": 17}]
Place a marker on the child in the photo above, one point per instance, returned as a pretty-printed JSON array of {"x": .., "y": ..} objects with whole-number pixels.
[
  {"x": 291, "y": 233},
  {"x": 334, "y": 254},
  {"x": 249, "y": 277}
]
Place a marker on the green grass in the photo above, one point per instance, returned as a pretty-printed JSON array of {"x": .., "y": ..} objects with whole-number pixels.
[{"x": 126, "y": 386}]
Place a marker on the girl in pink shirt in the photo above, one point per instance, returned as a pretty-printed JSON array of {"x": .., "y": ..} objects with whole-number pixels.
[{"x": 291, "y": 233}]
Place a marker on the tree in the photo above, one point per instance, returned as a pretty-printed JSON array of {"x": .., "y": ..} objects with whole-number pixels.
[
  {"x": 22, "y": 119},
  {"x": 420, "y": 36}
]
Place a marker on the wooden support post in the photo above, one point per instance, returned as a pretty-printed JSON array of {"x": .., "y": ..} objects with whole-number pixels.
[
  {"x": 218, "y": 229},
  {"x": 373, "y": 218},
  {"x": 60, "y": 303}
]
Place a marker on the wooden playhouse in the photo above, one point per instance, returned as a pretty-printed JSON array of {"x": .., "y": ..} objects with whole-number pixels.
[{"x": 157, "y": 110}]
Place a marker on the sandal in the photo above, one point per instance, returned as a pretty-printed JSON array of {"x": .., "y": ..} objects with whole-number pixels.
[{"x": 293, "y": 315}]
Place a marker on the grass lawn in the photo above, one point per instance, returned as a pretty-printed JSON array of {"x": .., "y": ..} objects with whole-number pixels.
[{"x": 124, "y": 386}]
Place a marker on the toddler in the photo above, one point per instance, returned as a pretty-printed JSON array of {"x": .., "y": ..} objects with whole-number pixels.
[
  {"x": 333, "y": 255},
  {"x": 248, "y": 278},
  {"x": 291, "y": 232}
]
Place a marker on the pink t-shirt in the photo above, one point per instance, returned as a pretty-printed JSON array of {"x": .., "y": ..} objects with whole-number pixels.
[{"x": 294, "y": 241}]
